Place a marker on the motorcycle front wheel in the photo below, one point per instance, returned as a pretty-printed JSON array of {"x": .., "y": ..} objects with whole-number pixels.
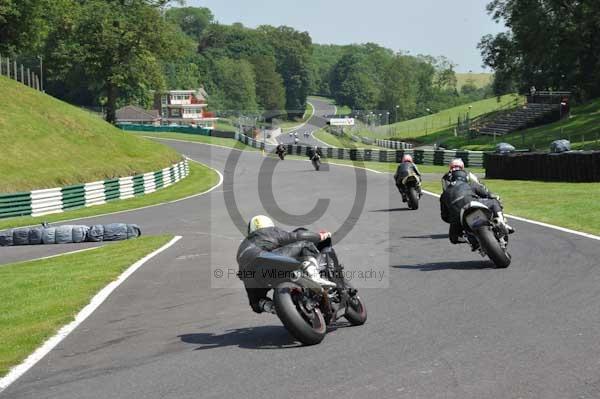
[
  {"x": 492, "y": 248},
  {"x": 356, "y": 312},
  {"x": 306, "y": 325}
]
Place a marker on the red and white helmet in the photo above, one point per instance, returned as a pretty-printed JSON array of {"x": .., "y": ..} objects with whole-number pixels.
[
  {"x": 457, "y": 164},
  {"x": 407, "y": 158}
]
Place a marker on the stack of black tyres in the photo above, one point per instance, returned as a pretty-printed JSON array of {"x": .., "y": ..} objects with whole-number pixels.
[{"x": 68, "y": 234}]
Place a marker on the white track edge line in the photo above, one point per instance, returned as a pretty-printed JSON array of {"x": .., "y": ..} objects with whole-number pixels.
[
  {"x": 550, "y": 226},
  {"x": 83, "y": 314}
]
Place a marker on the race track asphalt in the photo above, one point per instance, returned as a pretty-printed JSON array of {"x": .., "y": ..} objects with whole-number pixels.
[
  {"x": 323, "y": 110},
  {"x": 442, "y": 323}
]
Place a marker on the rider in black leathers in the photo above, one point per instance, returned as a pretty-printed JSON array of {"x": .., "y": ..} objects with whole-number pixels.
[
  {"x": 312, "y": 151},
  {"x": 460, "y": 192},
  {"x": 264, "y": 236},
  {"x": 280, "y": 149},
  {"x": 406, "y": 168}
]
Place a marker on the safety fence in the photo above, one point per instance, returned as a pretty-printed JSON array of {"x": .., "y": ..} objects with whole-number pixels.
[
  {"x": 163, "y": 129},
  {"x": 427, "y": 157},
  {"x": 57, "y": 200},
  {"x": 21, "y": 73},
  {"x": 397, "y": 145},
  {"x": 572, "y": 166}
]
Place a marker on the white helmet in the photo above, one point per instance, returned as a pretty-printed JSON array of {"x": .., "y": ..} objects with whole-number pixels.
[{"x": 259, "y": 222}]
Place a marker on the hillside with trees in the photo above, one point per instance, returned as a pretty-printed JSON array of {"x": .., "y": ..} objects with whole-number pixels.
[
  {"x": 110, "y": 53},
  {"x": 550, "y": 44}
]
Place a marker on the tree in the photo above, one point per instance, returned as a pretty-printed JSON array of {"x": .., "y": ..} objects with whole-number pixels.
[
  {"x": 24, "y": 24},
  {"x": 270, "y": 91},
  {"x": 549, "y": 43},
  {"x": 192, "y": 20},
  {"x": 114, "y": 47},
  {"x": 292, "y": 50},
  {"x": 235, "y": 87}
]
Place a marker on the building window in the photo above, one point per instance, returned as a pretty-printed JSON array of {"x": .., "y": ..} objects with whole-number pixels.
[
  {"x": 175, "y": 112},
  {"x": 163, "y": 100}
]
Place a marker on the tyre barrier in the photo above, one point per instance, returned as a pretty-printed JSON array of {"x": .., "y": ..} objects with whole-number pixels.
[
  {"x": 57, "y": 200},
  {"x": 572, "y": 166},
  {"x": 393, "y": 144},
  {"x": 426, "y": 157}
]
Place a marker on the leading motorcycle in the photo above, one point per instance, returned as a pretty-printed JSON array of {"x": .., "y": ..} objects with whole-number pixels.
[
  {"x": 411, "y": 190},
  {"x": 304, "y": 307},
  {"x": 316, "y": 161},
  {"x": 485, "y": 234},
  {"x": 281, "y": 152}
]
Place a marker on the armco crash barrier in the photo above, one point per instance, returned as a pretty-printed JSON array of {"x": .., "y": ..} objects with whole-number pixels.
[
  {"x": 427, "y": 157},
  {"x": 574, "y": 166},
  {"x": 56, "y": 200}
]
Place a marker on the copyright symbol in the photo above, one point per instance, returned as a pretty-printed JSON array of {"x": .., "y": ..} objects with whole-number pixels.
[{"x": 218, "y": 273}]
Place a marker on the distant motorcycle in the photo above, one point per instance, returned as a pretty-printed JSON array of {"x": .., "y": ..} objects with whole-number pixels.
[
  {"x": 411, "y": 190},
  {"x": 316, "y": 161},
  {"x": 485, "y": 235},
  {"x": 281, "y": 152},
  {"x": 303, "y": 306}
]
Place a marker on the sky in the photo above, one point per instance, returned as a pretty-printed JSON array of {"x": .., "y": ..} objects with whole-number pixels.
[{"x": 451, "y": 28}]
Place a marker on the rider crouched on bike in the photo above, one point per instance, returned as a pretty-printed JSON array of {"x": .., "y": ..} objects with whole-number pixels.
[
  {"x": 311, "y": 152},
  {"x": 280, "y": 149},
  {"x": 405, "y": 169},
  {"x": 264, "y": 236},
  {"x": 459, "y": 192}
]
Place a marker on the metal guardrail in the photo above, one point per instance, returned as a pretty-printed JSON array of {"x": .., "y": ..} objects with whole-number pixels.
[
  {"x": 426, "y": 157},
  {"x": 57, "y": 200}
]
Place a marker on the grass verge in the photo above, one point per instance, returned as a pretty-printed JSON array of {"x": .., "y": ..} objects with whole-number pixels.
[
  {"x": 38, "y": 297},
  {"x": 341, "y": 142},
  {"x": 231, "y": 143},
  {"x": 48, "y": 143},
  {"x": 571, "y": 205},
  {"x": 292, "y": 125},
  {"x": 430, "y": 124},
  {"x": 582, "y": 129},
  {"x": 201, "y": 178}
]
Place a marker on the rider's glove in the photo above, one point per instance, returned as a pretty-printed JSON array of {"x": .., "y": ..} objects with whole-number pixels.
[
  {"x": 495, "y": 196},
  {"x": 324, "y": 235}
]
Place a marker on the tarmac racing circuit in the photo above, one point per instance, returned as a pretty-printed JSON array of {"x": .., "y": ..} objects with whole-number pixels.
[{"x": 442, "y": 322}]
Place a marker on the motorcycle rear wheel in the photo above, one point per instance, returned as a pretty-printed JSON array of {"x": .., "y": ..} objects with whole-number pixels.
[
  {"x": 492, "y": 248},
  {"x": 307, "y": 326},
  {"x": 413, "y": 198}
]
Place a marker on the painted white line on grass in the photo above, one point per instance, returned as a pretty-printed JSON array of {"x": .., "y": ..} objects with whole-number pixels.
[
  {"x": 547, "y": 225},
  {"x": 294, "y": 128},
  {"x": 55, "y": 256},
  {"x": 312, "y": 134},
  {"x": 94, "y": 304},
  {"x": 551, "y": 226},
  {"x": 209, "y": 144}
]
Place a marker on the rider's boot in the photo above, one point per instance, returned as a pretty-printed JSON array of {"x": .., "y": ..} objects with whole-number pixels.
[
  {"x": 501, "y": 221},
  {"x": 266, "y": 305},
  {"x": 309, "y": 267}
]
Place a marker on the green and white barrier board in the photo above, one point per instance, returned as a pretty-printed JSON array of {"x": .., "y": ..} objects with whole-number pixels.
[
  {"x": 56, "y": 200},
  {"x": 426, "y": 157}
]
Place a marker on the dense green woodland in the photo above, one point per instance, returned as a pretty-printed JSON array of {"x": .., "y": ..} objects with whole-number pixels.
[
  {"x": 549, "y": 44},
  {"x": 114, "y": 52}
]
